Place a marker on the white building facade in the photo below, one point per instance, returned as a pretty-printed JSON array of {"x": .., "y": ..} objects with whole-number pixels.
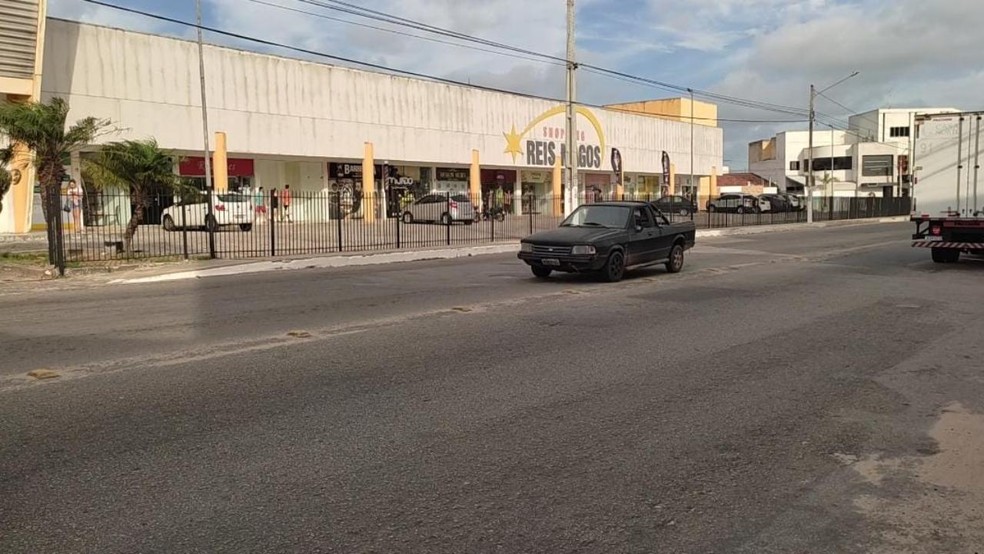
[
  {"x": 869, "y": 159},
  {"x": 313, "y": 126}
]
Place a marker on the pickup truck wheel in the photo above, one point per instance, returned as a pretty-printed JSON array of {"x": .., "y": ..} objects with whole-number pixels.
[
  {"x": 675, "y": 263},
  {"x": 540, "y": 271},
  {"x": 614, "y": 268},
  {"x": 168, "y": 223}
]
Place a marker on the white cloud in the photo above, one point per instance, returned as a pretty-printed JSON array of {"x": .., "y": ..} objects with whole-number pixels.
[
  {"x": 909, "y": 52},
  {"x": 101, "y": 15}
]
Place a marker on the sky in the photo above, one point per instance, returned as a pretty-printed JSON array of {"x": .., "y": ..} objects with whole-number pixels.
[{"x": 909, "y": 53}]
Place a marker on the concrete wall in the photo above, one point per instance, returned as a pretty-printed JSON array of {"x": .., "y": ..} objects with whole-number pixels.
[
  {"x": 677, "y": 109},
  {"x": 271, "y": 106}
]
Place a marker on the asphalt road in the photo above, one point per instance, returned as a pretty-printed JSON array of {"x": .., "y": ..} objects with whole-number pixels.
[{"x": 463, "y": 406}]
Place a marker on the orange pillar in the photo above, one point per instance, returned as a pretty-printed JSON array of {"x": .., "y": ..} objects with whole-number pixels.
[
  {"x": 475, "y": 180},
  {"x": 220, "y": 164},
  {"x": 557, "y": 186},
  {"x": 368, "y": 184},
  {"x": 21, "y": 193}
]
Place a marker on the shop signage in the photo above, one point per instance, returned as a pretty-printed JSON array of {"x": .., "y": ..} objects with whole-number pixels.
[
  {"x": 194, "y": 166},
  {"x": 452, "y": 174},
  {"x": 350, "y": 171},
  {"x": 617, "y": 165},
  {"x": 544, "y": 139}
]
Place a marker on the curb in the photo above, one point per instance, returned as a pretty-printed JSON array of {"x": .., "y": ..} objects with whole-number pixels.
[
  {"x": 380, "y": 258},
  {"x": 328, "y": 262}
]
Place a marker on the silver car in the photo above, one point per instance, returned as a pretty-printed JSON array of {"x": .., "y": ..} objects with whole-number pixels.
[{"x": 440, "y": 208}]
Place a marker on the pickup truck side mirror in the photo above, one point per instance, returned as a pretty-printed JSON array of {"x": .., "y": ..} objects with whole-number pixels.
[{"x": 638, "y": 228}]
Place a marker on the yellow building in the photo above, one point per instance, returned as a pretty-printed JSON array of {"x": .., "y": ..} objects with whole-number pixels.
[
  {"x": 21, "y": 55},
  {"x": 684, "y": 110}
]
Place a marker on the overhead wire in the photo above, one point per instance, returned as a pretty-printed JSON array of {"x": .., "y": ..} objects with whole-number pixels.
[
  {"x": 346, "y": 7},
  {"x": 402, "y": 33},
  {"x": 381, "y": 67}
]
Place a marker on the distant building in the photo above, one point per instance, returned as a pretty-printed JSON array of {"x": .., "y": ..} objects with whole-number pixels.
[
  {"x": 747, "y": 183},
  {"x": 327, "y": 128},
  {"x": 869, "y": 159}
]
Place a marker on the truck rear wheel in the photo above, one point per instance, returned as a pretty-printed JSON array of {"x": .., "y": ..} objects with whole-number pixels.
[{"x": 946, "y": 255}]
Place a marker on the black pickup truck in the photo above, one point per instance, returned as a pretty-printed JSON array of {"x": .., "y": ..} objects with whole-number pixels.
[{"x": 607, "y": 238}]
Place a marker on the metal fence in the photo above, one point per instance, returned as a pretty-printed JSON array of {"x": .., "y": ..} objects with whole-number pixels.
[{"x": 102, "y": 226}]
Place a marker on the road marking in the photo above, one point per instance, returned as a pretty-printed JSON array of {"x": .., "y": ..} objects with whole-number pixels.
[{"x": 207, "y": 352}]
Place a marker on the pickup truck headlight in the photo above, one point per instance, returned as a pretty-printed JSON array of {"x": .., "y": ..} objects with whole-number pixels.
[
  {"x": 525, "y": 247},
  {"x": 582, "y": 249}
]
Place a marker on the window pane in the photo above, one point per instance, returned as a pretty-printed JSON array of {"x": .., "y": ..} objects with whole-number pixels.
[{"x": 877, "y": 166}]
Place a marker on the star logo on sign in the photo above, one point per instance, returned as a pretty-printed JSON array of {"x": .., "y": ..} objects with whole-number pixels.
[{"x": 512, "y": 143}]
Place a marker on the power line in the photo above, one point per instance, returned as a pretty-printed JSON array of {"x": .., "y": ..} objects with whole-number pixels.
[
  {"x": 836, "y": 102},
  {"x": 367, "y": 13},
  {"x": 353, "y": 9},
  {"x": 401, "y": 33},
  {"x": 408, "y": 73}
]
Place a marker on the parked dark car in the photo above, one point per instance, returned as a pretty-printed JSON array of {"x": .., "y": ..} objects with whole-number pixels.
[
  {"x": 608, "y": 238},
  {"x": 734, "y": 203},
  {"x": 777, "y": 202},
  {"x": 677, "y": 205},
  {"x": 796, "y": 203}
]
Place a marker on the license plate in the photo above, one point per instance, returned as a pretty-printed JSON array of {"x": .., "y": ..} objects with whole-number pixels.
[
  {"x": 240, "y": 217},
  {"x": 932, "y": 238},
  {"x": 550, "y": 261}
]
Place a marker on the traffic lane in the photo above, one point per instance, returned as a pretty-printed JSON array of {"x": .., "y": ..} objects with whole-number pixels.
[
  {"x": 806, "y": 241},
  {"x": 466, "y": 432},
  {"x": 71, "y": 328}
]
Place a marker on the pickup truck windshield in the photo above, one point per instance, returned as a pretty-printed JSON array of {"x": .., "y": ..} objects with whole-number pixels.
[{"x": 612, "y": 217}]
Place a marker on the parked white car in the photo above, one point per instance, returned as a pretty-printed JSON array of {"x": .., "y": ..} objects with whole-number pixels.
[
  {"x": 227, "y": 209},
  {"x": 440, "y": 208}
]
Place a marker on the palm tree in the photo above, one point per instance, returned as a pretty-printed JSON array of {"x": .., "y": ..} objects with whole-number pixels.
[
  {"x": 41, "y": 128},
  {"x": 6, "y": 154},
  {"x": 139, "y": 166}
]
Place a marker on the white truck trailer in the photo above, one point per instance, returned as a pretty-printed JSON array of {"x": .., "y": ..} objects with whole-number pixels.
[{"x": 948, "y": 186}]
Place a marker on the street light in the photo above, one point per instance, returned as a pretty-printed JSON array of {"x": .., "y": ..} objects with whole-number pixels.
[{"x": 810, "y": 177}]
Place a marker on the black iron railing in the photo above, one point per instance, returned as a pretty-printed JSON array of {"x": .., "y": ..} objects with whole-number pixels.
[{"x": 103, "y": 227}]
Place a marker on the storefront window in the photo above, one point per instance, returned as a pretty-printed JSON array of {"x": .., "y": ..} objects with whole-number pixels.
[{"x": 537, "y": 190}]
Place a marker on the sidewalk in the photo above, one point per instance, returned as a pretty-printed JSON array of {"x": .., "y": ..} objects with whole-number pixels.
[{"x": 136, "y": 271}]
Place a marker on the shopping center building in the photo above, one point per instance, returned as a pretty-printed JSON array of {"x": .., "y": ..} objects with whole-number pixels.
[{"x": 318, "y": 127}]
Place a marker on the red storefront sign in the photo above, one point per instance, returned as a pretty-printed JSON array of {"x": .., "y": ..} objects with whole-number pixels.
[{"x": 194, "y": 166}]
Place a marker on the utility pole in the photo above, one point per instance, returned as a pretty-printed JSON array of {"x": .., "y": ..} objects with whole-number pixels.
[
  {"x": 831, "y": 162},
  {"x": 208, "y": 162},
  {"x": 571, "y": 131},
  {"x": 693, "y": 191},
  {"x": 809, "y": 148},
  {"x": 811, "y": 178}
]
